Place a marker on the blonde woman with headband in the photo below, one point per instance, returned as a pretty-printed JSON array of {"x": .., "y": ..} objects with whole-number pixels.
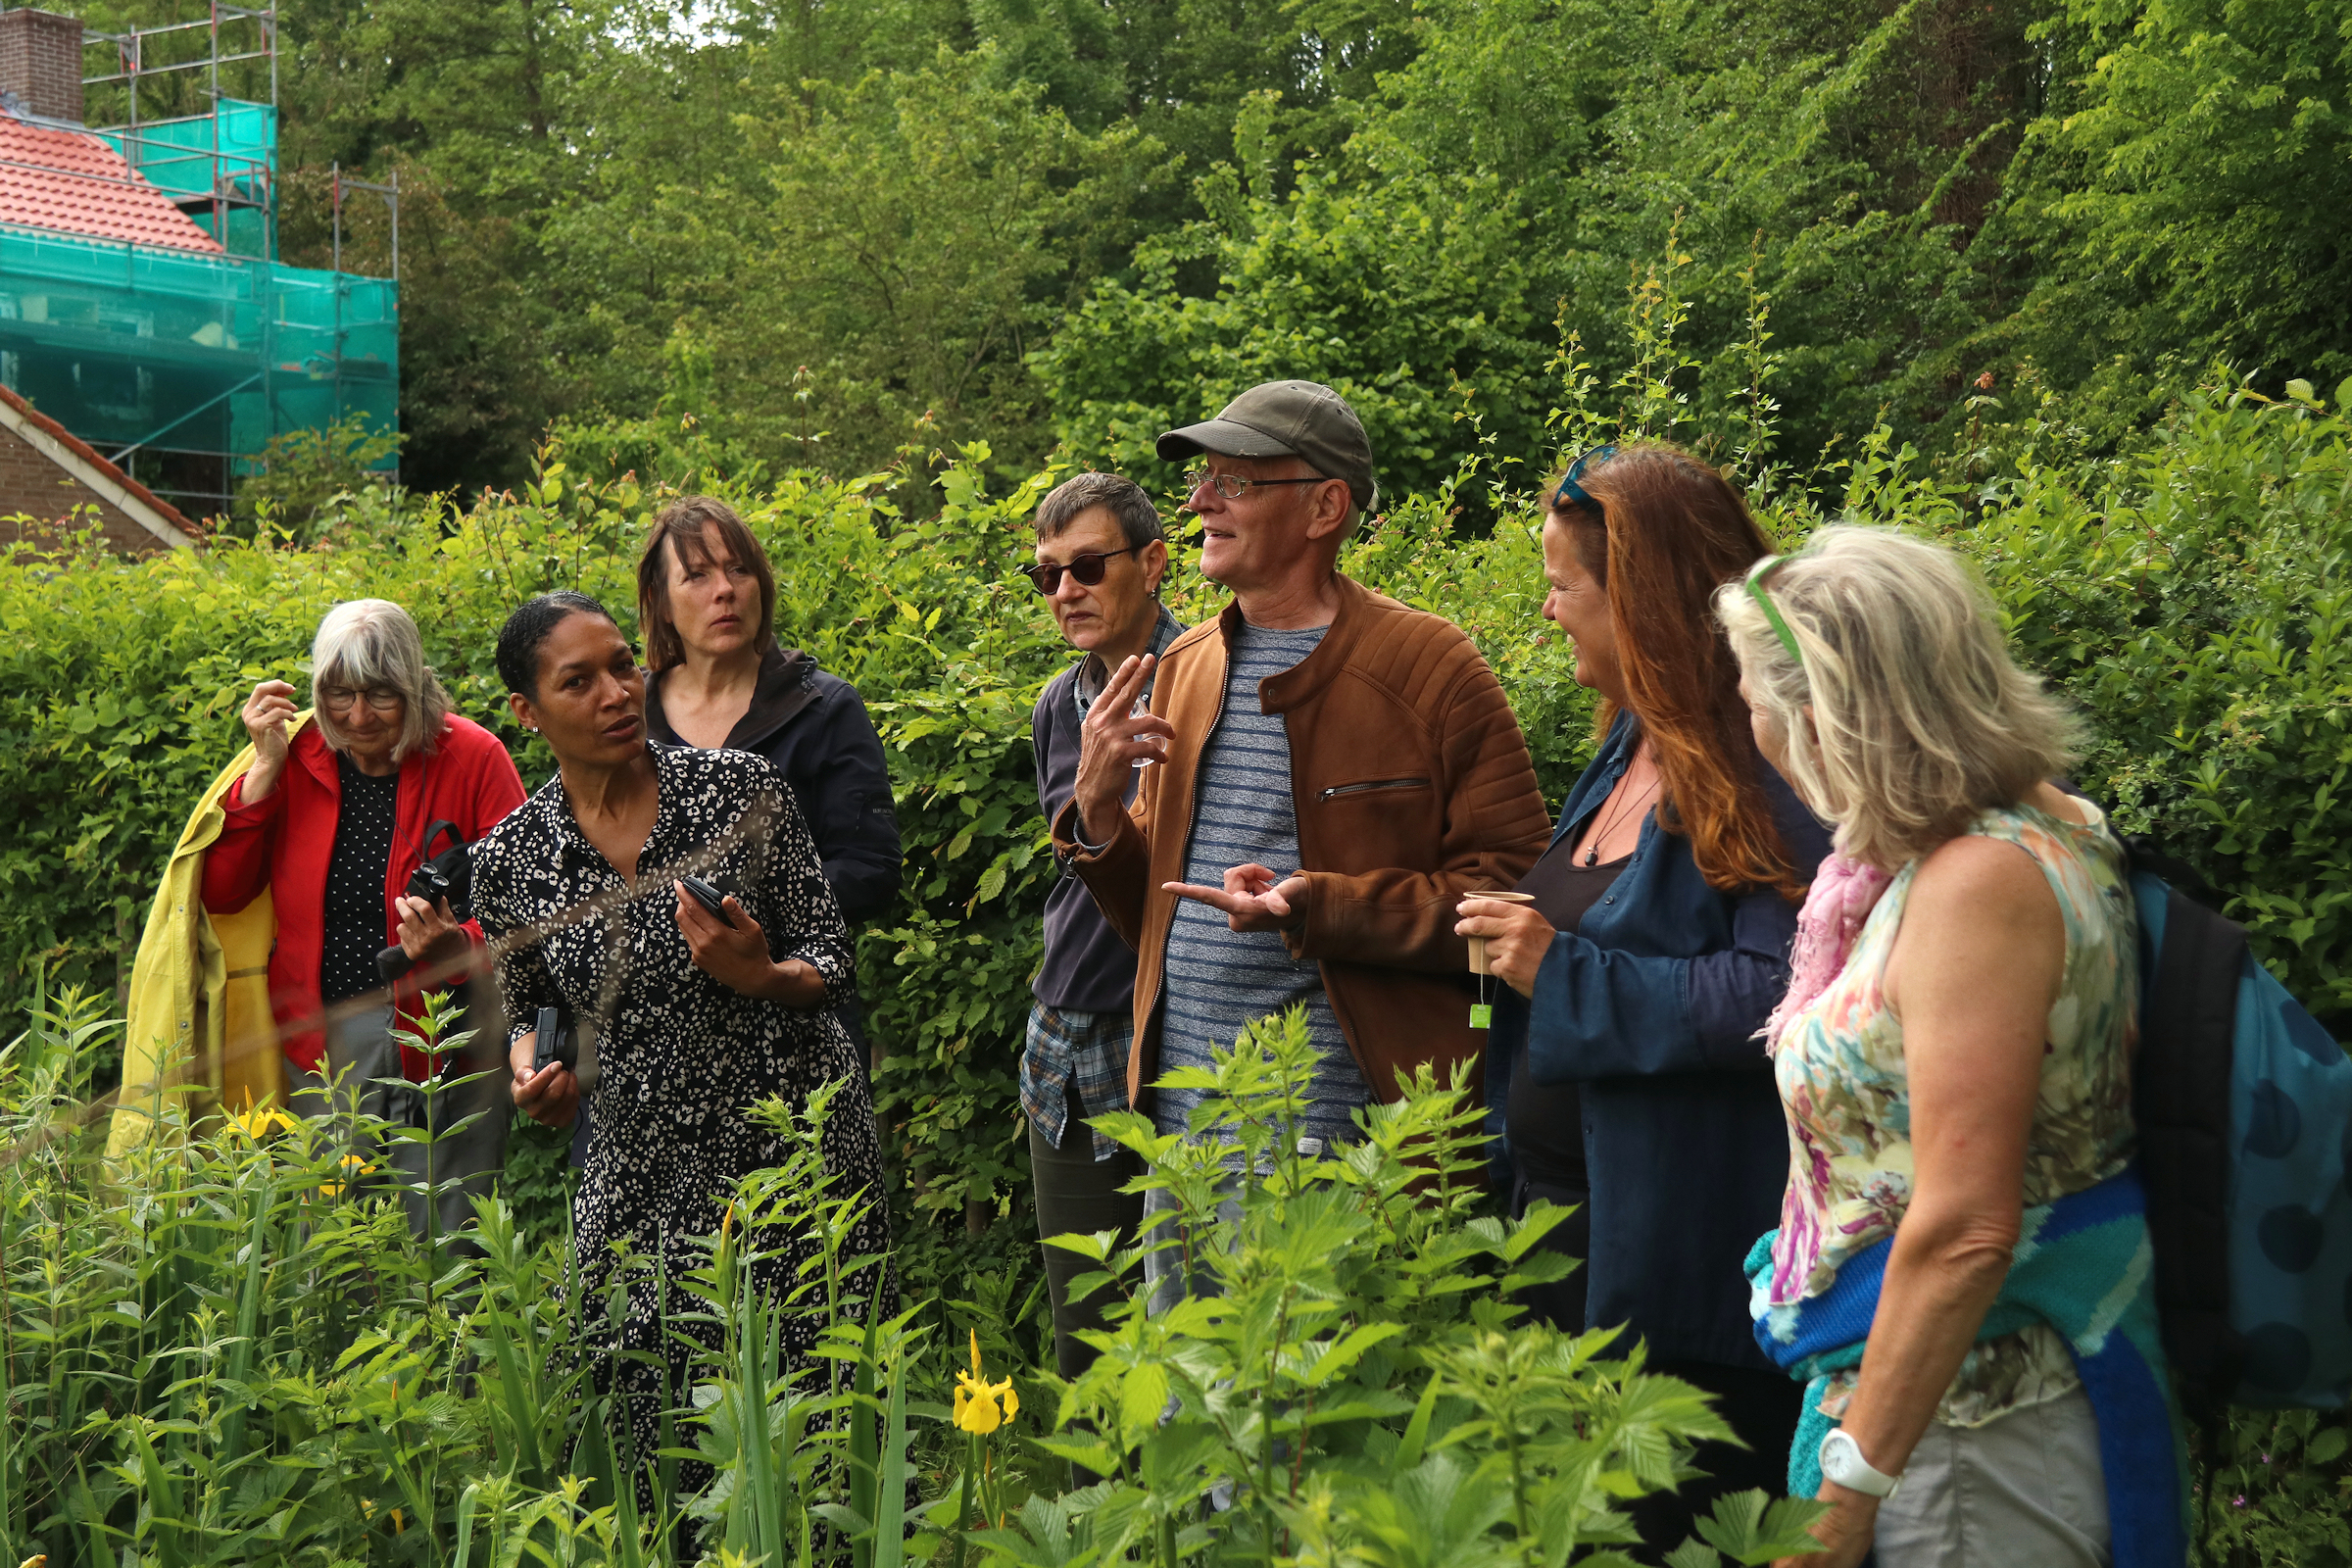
[
  {"x": 332, "y": 819},
  {"x": 1959, "y": 1271}
]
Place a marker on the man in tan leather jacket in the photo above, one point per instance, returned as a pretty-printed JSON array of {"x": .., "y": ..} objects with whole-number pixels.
[{"x": 1334, "y": 771}]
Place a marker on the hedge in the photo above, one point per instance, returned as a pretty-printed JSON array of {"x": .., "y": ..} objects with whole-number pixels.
[{"x": 2192, "y": 599}]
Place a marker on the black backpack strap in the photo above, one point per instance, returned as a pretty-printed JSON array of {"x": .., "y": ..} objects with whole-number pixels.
[
  {"x": 433, "y": 830},
  {"x": 2180, "y": 1101},
  {"x": 2149, "y": 855}
]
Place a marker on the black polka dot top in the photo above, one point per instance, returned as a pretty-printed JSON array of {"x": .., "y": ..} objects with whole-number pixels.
[{"x": 356, "y": 913}]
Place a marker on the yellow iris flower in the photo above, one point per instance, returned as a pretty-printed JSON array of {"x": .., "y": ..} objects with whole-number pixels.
[
  {"x": 353, "y": 1166},
  {"x": 259, "y": 1122},
  {"x": 982, "y": 1406}
]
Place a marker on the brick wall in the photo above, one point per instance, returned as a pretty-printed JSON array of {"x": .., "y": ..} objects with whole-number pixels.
[
  {"x": 40, "y": 62},
  {"x": 32, "y": 485}
]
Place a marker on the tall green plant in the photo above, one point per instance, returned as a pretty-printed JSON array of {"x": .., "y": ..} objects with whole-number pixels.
[{"x": 1268, "y": 1415}]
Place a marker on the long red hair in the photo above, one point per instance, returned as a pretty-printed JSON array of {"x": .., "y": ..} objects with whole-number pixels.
[{"x": 1670, "y": 532}]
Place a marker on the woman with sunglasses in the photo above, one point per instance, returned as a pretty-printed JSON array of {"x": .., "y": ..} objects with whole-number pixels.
[
  {"x": 1623, "y": 1056},
  {"x": 331, "y": 819}
]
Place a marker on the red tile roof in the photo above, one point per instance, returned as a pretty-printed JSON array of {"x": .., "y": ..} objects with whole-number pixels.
[
  {"x": 97, "y": 467},
  {"x": 75, "y": 182}
]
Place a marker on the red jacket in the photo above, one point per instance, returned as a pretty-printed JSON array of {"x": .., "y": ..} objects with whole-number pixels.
[{"x": 285, "y": 842}]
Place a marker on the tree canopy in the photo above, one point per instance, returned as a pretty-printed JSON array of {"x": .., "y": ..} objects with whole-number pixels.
[{"x": 813, "y": 235}]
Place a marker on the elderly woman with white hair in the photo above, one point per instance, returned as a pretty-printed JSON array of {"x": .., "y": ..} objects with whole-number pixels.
[
  {"x": 1960, "y": 1270},
  {"x": 339, "y": 807}
]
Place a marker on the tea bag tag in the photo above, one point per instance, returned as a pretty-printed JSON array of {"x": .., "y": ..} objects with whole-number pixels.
[{"x": 1482, "y": 1016}]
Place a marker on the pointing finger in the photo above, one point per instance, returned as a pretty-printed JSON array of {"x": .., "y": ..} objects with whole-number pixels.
[{"x": 1215, "y": 897}]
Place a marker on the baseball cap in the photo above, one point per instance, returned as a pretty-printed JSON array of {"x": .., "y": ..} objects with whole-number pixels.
[{"x": 1302, "y": 419}]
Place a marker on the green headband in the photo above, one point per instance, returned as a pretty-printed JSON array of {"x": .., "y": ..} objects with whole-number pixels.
[{"x": 1772, "y": 611}]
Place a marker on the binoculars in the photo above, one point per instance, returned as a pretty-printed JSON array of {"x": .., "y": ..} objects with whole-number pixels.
[{"x": 432, "y": 884}]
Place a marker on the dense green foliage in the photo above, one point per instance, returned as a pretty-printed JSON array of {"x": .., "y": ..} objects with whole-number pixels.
[
  {"x": 2190, "y": 597},
  {"x": 2196, "y": 600},
  {"x": 824, "y": 232},
  {"x": 226, "y": 1348},
  {"x": 123, "y": 684}
]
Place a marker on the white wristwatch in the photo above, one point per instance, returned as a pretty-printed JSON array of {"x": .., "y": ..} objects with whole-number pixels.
[{"x": 1841, "y": 1461}]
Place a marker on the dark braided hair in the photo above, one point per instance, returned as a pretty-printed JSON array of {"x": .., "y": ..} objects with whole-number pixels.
[{"x": 528, "y": 631}]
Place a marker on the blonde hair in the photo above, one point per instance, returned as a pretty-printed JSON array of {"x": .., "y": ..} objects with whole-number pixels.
[
  {"x": 1908, "y": 717},
  {"x": 372, "y": 641}
]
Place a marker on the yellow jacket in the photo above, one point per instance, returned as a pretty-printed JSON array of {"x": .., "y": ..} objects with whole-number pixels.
[{"x": 199, "y": 1010}]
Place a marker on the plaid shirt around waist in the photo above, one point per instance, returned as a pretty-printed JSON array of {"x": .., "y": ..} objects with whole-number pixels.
[{"x": 1066, "y": 1045}]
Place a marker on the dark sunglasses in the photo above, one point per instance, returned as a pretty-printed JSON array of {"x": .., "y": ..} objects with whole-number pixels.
[
  {"x": 1572, "y": 492},
  {"x": 1088, "y": 570}
]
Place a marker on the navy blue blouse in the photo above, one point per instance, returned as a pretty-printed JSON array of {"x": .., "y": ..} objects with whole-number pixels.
[{"x": 1652, "y": 1007}]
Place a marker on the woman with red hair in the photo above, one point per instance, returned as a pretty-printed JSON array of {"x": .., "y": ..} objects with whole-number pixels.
[{"x": 1623, "y": 1057}]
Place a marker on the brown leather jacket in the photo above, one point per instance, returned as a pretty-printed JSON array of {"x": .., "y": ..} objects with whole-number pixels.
[{"x": 1412, "y": 787}]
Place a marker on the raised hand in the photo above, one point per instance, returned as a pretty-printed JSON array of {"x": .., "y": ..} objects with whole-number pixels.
[
  {"x": 268, "y": 715},
  {"x": 429, "y": 933},
  {"x": 1110, "y": 743},
  {"x": 736, "y": 956}
]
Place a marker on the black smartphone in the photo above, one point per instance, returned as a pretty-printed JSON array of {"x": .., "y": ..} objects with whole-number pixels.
[{"x": 710, "y": 898}]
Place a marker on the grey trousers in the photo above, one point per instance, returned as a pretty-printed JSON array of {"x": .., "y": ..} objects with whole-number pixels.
[
  {"x": 2023, "y": 1489},
  {"x": 462, "y": 1164}
]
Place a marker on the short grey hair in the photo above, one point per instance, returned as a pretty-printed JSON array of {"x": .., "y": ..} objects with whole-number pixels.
[
  {"x": 372, "y": 641},
  {"x": 1124, "y": 499},
  {"x": 1908, "y": 717}
]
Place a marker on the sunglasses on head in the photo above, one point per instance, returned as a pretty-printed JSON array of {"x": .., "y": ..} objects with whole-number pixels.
[
  {"x": 1572, "y": 492},
  {"x": 1088, "y": 570},
  {"x": 1772, "y": 611}
]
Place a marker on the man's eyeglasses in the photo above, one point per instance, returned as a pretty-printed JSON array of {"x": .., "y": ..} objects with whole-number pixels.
[
  {"x": 1088, "y": 570},
  {"x": 382, "y": 699},
  {"x": 1572, "y": 492},
  {"x": 1232, "y": 486}
]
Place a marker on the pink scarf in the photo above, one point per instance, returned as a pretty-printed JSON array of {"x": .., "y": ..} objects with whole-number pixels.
[{"x": 1844, "y": 893}]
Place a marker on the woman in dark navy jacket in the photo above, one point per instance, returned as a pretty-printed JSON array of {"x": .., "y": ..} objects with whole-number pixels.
[
  {"x": 716, "y": 675},
  {"x": 1623, "y": 1056}
]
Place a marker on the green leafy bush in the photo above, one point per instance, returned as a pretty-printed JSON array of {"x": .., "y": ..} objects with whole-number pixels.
[
  {"x": 1274, "y": 1414},
  {"x": 226, "y": 1348},
  {"x": 2191, "y": 596}
]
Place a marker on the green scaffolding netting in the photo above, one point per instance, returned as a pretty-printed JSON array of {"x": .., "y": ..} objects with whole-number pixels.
[{"x": 184, "y": 351}]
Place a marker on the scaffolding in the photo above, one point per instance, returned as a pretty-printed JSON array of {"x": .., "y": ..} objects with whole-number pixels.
[
  {"x": 183, "y": 366},
  {"x": 213, "y": 165}
]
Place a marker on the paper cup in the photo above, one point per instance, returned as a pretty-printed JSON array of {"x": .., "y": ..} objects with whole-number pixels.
[{"x": 1478, "y": 944}]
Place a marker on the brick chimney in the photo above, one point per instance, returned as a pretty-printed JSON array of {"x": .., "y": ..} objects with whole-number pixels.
[{"x": 40, "y": 62}]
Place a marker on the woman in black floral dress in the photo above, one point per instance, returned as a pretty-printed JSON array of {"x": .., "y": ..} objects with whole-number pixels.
[{"x": 695, "y": 1020}]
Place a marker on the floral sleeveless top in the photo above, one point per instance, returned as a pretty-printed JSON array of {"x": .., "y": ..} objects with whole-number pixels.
[{"x": 1840, "y": 1068}]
